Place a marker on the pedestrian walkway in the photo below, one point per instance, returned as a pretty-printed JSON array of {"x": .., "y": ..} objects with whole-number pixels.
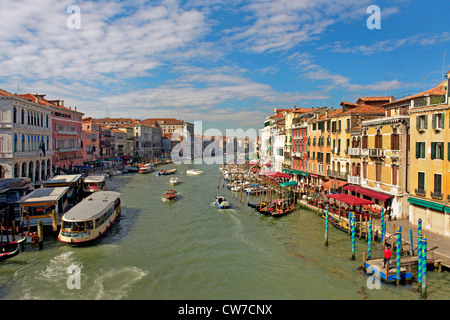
[{"x": 438, "y": 245}]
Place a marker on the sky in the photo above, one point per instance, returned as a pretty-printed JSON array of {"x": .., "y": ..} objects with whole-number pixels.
[{"x": 225, "y": 63}]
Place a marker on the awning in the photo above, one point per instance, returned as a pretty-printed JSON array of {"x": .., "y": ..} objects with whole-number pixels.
[
  {"x": 369, "y": 193},
  {"x": 287, "y": 171},
  {"x": 268, "y": 165},
  {"x": 349, "y": 199},
  {"x": 427, "y": 204},
  {"x": 252, "y": 163},
  {"x": 289, "y": 183},
  {"x": 279, "y": 175},
  {"x": 334, "y": 184},
  {"x": 267, "y": 173}
]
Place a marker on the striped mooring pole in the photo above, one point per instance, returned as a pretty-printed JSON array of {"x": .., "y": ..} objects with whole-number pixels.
[
  {"x": 326, "y": 226},
  {"x": 412, "y": 242},
  {"x": 353, "y": 235},
  {"x": 399, "y": 247},
  {"x": 424, "y": 267},
  {"x": 419, "y": 226},
  {"x": 369, "y": 241},
  {"x": 419, "y": 261}
]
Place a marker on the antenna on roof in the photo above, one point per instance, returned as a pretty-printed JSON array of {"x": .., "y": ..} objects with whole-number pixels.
[
  {"x": 18, "y": 88},
  {"x": 443, "y": 66}
]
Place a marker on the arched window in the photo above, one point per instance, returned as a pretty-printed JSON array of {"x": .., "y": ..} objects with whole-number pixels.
[
  {"x": 23, "y": 117},
  {"x": 395, "y": 141},
  {"x": 378, "y": 140},
  {"x": 365, "y": 141},
  {"x": 23, "y": 142},
  {"x": 15, "y": 115}
]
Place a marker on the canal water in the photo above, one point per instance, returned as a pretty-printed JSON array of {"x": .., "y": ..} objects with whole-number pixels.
[{"x": 190, "y": 250}]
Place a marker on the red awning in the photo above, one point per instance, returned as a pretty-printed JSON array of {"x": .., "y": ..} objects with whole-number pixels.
[
  {"x": 280, "y": 175},
  {"x": 268, "y": 165},
  {"x": 369, "y": 193},
  {"x": 349, "y": 199}
]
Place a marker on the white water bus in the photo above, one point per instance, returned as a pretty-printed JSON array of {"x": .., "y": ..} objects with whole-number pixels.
[{"x": 91, "y": 218}]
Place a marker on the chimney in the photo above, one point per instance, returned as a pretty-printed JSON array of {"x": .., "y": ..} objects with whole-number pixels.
[{"x": 62, "y": 103}]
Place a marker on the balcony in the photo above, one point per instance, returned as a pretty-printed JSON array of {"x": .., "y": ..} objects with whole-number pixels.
[
  {"x": 354, "y": 179},
  {"x": 376, "y": 153},
  {"x": 420, "y": 192},
  {"x": 337, "y": 174},
  {"x": 437, "y": 195},
  {"x": 355, "y": 152}
]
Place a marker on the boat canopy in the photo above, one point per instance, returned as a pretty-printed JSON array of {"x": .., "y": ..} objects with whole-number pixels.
[
  {"x": 95, "y": 179},
  {"x": 91, "y": 207}
]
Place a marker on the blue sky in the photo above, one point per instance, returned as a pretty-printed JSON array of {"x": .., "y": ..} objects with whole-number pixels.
[{"x": 226, "y": 63}]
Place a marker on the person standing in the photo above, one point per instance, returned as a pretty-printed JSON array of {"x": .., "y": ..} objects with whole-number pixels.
[{"x": 387, "y": 255}]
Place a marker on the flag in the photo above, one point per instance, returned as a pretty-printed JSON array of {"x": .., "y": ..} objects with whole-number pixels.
[{"x": 43, "y": 148}]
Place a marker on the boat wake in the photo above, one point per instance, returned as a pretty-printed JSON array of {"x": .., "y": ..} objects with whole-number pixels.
[{"x": 116, "y": 284}]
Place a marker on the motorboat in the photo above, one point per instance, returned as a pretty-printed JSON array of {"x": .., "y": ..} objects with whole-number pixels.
[
  {"x": 146, "y": 168},
  {"x": 221, "y": 202},
  {"x": 195, "y": 172},
  {"x": 170, "y": 194},
  {"x": 174, "y": 181},
  {"x": 95, "y": 183}
]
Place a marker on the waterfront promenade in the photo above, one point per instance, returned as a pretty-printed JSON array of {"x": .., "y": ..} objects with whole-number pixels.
[{"x": 441, "y": 243}]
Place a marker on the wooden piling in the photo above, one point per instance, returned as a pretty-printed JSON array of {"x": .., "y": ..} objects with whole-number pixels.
[
  {"x": 40, "y": 235},
  {"x": 55, "y": 221}
]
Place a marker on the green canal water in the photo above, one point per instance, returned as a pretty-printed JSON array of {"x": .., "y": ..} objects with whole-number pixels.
[{"x": 190, "y": 250}]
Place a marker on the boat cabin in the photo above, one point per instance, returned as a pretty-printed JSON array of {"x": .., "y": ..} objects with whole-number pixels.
[
  {"x": 73, "y": 181},
  {"x": 42, "y": 204},
  {"x": 90, "y": 218},
  {"x": 95, "y": 183}
]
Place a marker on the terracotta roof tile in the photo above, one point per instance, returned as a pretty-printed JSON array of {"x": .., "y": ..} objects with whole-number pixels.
[
  {"x": 365, "y": 109},
  {"x": 439, "y": 90},
  {"x": 5, "y": 93}
]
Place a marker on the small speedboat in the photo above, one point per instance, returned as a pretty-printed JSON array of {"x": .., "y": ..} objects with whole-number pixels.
[
  {"x": 221, "y": 202},
  {"x": 170, "y": 194},
  {"x": 195, "y": 172},
  {"x": 174, "y": 181},
  {"x": 146, "y": 168}
]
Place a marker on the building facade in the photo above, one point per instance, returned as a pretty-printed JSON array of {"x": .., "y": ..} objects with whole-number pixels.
[{"x": 25, "y": 138}]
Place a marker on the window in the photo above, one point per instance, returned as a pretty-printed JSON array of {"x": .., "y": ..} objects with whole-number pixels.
[
  {"x": 378, "y": 140},
  {"x": 437, "y": 183},
  {"x": 395, "y": 141},
  {"x": 422, "y": 122},
  {"x": 420, "y": 150},
  {"x": 365, "y": 141},
  {"x": 438, "y": 121},
  {"x": 421, "y": 180},
  {"x": 378, "y": 167},
  {"x": 437, "y": 151},
  {"x": 365, "y": 170},
  {"x": 394, "y": 175}
]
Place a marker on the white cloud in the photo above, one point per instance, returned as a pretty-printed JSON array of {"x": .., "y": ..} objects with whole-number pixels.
[
  {"x": 284, "y": 24},
  {"x": 35, "y": 41}
]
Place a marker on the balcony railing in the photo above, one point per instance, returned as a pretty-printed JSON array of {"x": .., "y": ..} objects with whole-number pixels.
[
  {"x": 337, "y": 174},
  {"x": 376, "y": 152},
  {"x": 354, "y": 152},
  {"x": 354, "y": 179}
]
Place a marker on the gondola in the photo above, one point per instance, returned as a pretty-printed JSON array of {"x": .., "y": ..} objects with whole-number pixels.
[
  {"x": 279, "y": 212},
  {"x": 10, "y": 249},
  {"x": 267, "y": 210}
]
